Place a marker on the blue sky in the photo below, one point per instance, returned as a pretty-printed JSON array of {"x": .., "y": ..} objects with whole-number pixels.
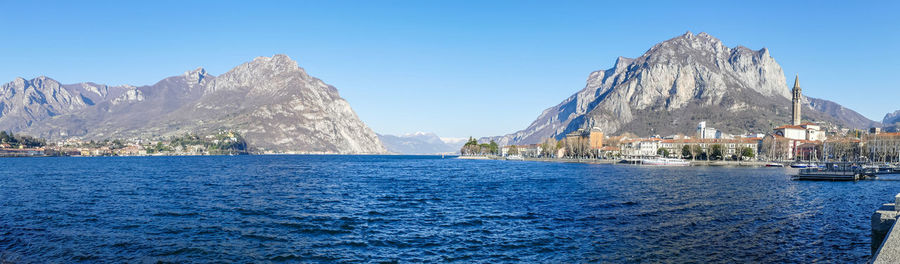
[{"x": 456, "y": 68}]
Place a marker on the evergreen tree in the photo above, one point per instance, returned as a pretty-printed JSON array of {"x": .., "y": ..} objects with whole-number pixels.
[
  {"x": 662, "y": 152},
  {"x": 686, "y": 152}
]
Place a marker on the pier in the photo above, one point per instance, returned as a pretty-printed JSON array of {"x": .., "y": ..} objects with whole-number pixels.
[
  {"x": 885, "y": 234},
  {"x": 841, "y": 171}
]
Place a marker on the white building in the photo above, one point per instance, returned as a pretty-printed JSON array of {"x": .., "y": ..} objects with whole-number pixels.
[
  {"x": 640, "y": 147},
  {"x": 704, "y": 132},
  {"x": 805, "y": 131}
]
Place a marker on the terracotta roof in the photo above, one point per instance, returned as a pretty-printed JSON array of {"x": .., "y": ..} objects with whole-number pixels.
[
  {"x": 842, "y": 140},
  {"x": 643, "y": 139},
  {"x": 713, "y": 140},
  {"x": 789, "y": 126}
]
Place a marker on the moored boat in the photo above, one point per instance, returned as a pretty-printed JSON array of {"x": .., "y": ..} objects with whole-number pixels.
[
  {"x": 665, "y": 162},
  {"x": 514, "y": 157},
  {"x": 800, "y": 165},
  {"x": 774, "y": 165}
]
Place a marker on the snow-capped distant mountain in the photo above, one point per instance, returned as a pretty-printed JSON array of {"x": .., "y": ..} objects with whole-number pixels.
[{"x": 419, "y": 143}]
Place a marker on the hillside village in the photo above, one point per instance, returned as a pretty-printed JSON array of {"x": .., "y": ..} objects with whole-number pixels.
[{"x": 221, "y": 143}]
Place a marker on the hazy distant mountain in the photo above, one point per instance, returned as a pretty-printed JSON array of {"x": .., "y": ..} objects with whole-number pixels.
[
  {"x": 891, "y": 118},
  {"x": 850, "y": 118},
  {"x": 271, "y": 100},
  {"x": 675, "y": 85},
  {"x": 419, "y": 143}
]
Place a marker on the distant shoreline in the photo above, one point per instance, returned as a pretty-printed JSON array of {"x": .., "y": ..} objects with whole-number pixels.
[
  {"x": 714, "y": 163},
  {"x": 247, "y": 154}
]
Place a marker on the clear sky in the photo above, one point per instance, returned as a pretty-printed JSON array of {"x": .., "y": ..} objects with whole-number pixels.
[{"x": 456, "y": 68}]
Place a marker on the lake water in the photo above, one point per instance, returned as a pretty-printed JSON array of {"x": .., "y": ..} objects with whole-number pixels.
[{"x": 423, "y": 209}]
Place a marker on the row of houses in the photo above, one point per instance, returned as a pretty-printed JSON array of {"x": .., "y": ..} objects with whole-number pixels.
[
  {"x": 624, "y": 147},
  {"x": 874, "y": 147},
  {"x": 805, "y": 141}
]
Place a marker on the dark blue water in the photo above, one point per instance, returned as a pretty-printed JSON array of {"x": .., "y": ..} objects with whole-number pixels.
[{"x": 421, "y": 209}]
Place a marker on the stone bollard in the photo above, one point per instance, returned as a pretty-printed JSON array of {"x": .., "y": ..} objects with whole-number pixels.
[{"x": 882, "y": 221}]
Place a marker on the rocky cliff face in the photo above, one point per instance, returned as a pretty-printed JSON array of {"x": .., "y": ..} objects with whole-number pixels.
[
  {"x": 672, "y": 87},
  {"x": 271, "y": 100}
]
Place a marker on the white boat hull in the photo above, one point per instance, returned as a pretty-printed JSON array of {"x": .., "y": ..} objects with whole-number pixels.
[{"x": 665, "y": 162}]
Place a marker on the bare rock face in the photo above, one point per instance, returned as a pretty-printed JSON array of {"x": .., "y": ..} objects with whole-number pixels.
[
  {"x": 672, "y": 87},
  {"x": 24, "y": 101},
  {"x": 271, "y": 100}
]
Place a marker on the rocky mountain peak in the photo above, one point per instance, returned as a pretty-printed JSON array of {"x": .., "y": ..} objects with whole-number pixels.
[
  {"x": 196, "y": 76},
  {"x": 689, "y": 41},
  {"x": 277, "y": 63},
  {"x": 671, "y": 86},
  {"x": 19, "y": 82},
  {"x": 42, "y": 83},
  {"x": 623, "y": 62},
  {"x": 271, "y": 101}
]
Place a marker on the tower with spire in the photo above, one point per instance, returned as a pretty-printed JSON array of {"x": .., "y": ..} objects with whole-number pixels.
[{"x": 795, "y": 107}]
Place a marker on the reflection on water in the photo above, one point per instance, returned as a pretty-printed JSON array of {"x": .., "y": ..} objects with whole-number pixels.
[{"x": 423, "y": 209}]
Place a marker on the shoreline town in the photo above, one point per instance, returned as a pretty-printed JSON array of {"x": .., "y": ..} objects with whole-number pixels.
[{"x": 799, "y": 144}]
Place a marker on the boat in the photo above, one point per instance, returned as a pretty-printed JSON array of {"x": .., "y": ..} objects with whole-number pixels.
[
  {"x": 665, "y": 162},
  {"x": 774, "y": 165},
  {"x": 800, "y": 165},
  {"x": 880, "y": 168},
  {"x": 514, "y": 157}
]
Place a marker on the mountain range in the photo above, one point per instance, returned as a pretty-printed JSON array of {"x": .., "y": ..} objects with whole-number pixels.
[
  {"x": 273, "y": 102},
  {"x": 675, "y": 85},
  {"x": 420, "y": 143}
]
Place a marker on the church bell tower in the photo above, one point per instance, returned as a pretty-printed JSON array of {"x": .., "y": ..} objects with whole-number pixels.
[{"x": 795, "y": 106}]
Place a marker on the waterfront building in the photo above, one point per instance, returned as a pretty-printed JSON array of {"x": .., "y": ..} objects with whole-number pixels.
[
  {"x": 843, "y": 149},
  {"x": 730, "y": 147},
  {"x": 883, "y": 147},
  {"x": 528, "y": 151},
  {"x": 584, "y": 143},
  {"x": 778, "y": 147},
  {"x": 640, "y": 147},
  {"x": 805, "y": 131},
  {"x": 610, "y": 152},
  {"x": 791, "y": 132},
  {"x": 796, "y": 140},
  {"x": 791, "y": 137},
  {"x": 595, "y": 137},
  {"x": 874, "y": 130},
  {"x": 810, "y": 150}
]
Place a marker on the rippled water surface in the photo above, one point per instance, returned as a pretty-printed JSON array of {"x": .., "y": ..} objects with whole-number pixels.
[{"x": 422, "y": 209}]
